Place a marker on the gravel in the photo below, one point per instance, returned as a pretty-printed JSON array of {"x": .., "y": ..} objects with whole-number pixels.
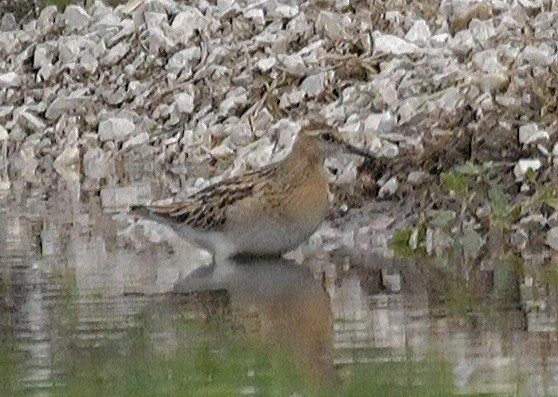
[{"x": 176, "y": 96}]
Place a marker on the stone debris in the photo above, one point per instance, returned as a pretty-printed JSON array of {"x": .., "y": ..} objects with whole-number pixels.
[
  {"x": 115, "y": 129},
  {"x": 184, "y": 93}
]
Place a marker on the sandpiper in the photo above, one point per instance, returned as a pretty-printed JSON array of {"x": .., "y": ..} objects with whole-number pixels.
[{"x": 266, "y": 212}]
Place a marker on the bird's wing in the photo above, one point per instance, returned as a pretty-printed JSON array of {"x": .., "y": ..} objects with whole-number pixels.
[{"x": 207, "y": 208}]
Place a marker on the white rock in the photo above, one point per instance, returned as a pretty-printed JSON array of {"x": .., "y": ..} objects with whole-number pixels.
[
  {"x": 184, "y": 103},
  {"x": 226, "y": 6},
  {"x": 524, "y": 165},
  {"x": 115, "y": 129},
  {"x": 186, "y": 23},
  {"x": 234, "y": 98},
  {"x": 530, "y": 133},
  {"x": 266, "y": 64},
  {"x": 293, "y": 63},
  {"x": 96, "y": 164},
  {"x": 389, "y": 188},
  {"x": 116, "y": 53},
  {"x": 419, "y": 33},
  {"x": 330, "y": 25},
  {"x": 3, "y": 133},
  {"x": 10, "y": 79},
  {"x": 256, "y": 15},
  {"x": 32, "y": 122},
  {"x": 76, "y": 18},
  {"x": 390, "y": 44},
  {"x": 8, "y": 23},
  {"x": 221, "y": 151},
  {"x": 380, "y": 122},
  {"x": 24, "y": 163},
  {"x": 542, "y": 55},
  {"x": 65, "y": 104},
  {"x": 487, "y": 61},
  {"x": 183, "y": 59},
  {"x": 137, "y": 140},
  {"x": 462, "y": 42},
  {"x": 284, "y": 11},
  {"x": 67, "y": 162},
  {"x": 315, "y": 84},
  {"x": 113, "y": 198},
  {"x": 482, "y": 31},
  {"x": 440, "y": 40}
]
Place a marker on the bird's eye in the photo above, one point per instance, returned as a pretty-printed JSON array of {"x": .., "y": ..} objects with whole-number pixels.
[{"x": 327, "y": 137}]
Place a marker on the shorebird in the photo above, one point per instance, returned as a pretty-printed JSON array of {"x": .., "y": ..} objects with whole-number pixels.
[{"x": 266, "y": 212}]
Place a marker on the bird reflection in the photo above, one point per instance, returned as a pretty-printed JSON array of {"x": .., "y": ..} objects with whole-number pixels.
[{"x": 280, "y": 301}]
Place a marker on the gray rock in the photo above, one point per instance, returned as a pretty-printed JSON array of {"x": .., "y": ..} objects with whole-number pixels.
[
  {"x": 462, "y": 42},
  {"x": 542, "y": 55},
  {"x": 184, "y": 103},
  {"x": 96, "y": 164},
  {"x": 284, "y": 11},
  {"x": 116, "y": 53},
  {"x": 293, "y": 64},
  {"x": 66, "y": 164},
  {"x": 186, "y": 23},
  {"x": 417, "y": 178},
  {"x": 524, "y": 165},
  {"x": 115, "y": 129},
  {"x": 487, "y": 61},
  {"x": 137, "y": 140},
  {"x": 45, "y": 22},
  {"x": 76, "y": 18},
  {"x": 380, "y": 122},
  {"x": 10, "y": 79},
  {"x": 32, "y": 122},
  {"x": 314, "y": 85},
  {"x": 184, "y": 60},
  {"x": 64, "y": 104},
  {"x": 9, "y": 42},
  {"x": 389, "y": 188},
  {"x": 552, "y": 238},
  {"x": 419, "y": 33},
  {"x": 3, "y": 133},
  {"x": 390, "y": 44},
  {"x": 8, "y": 23},
  {"x": 120, "y": 197},
  {"x": 256, "y": 15},
  {"x": 266, "y": 64},
  {"x": 530, "y": 133},
  {"x": 330, "y": 25},
  {"x": 519, "y": 239},
  {"x": 43, "y": 54},
  {"x": 482, "y": 31},
  {"x": 236, "y": 97},
  {"x": 24, "y": 163}
]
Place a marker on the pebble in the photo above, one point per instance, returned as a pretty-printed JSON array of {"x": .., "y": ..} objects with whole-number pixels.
[
  {"x": 9, "y": 79},
  {"x": 76, "y": 18},
  {"x": 530, "y": 133},
  {"x": 115, "y": 129},
  {"x": 390, "y": 44}
]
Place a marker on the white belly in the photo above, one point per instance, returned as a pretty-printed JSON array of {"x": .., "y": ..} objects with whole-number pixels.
[
  {"x": 262, "y": 237},
  {"x": 270, "y": 237}
]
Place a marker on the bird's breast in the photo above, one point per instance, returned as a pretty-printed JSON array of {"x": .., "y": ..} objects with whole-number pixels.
[{"x": 309, "y": 200}]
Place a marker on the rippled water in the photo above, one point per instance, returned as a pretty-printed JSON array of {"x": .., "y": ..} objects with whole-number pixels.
[{"x": 72, "y": 282}]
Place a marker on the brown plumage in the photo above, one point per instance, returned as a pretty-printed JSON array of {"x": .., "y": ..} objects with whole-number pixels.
[{"x": 263, "y": 212}]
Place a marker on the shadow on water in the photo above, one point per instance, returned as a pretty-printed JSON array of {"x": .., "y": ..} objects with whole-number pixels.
[{"x": 85, "y": 312}]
